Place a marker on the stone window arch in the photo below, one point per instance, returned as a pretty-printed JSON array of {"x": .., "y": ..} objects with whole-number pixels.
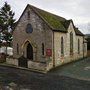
[
  {"x": 62, "y": 46},
  {"x": 34, "y": 47}
]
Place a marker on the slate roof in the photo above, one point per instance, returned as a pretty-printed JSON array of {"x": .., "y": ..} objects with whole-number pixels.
[{"x": 55, "y": 22}]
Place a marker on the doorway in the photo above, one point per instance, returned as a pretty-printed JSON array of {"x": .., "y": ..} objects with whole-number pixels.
[{"x": 29, "y": 52}]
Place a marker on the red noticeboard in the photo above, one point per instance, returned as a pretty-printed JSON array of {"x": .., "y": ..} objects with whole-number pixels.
[{"x": 48, "y": 52}]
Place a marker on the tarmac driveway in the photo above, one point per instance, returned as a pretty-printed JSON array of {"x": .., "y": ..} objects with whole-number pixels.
[
  {"x": 27, "y": 80},
  {"x": 79, "y": 69}
]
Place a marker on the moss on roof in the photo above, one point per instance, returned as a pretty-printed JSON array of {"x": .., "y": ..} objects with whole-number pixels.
[
  {"x": 54, "y": 21},
  {"x": 57, "y": 23}
]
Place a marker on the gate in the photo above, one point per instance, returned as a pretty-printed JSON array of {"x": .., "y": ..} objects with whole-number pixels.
[{"x": 23, "y": 62}]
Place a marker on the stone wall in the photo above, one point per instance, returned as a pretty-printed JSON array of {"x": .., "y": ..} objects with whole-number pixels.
[
  {"x": 40, "y": 66},
  {"x": 37, "y": 65},
  {"x": 12, "y": 61},
  {"x": 59, "y": 59},
  {"x": 41, "y": 34}
]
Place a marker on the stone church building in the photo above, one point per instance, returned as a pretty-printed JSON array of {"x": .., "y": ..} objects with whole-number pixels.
[{"x": 42, "y": 40}]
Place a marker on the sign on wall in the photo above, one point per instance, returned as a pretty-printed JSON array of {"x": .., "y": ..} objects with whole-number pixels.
[{"x": 48, "y": 52}]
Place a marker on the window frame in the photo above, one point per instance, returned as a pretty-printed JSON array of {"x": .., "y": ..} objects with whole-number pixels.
[
  {"x": 62, "y": 46},
  {"x": 71, "y": 43},
  {"x": 43, "y": 49},
  {"x": 29, "y": 28}
]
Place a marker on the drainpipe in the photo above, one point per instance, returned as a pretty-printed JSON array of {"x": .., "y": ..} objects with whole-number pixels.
[{"x": 53, "y": 50}]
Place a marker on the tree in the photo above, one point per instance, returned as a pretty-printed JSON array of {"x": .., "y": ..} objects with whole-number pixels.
[{"x": 7, "y": 22}]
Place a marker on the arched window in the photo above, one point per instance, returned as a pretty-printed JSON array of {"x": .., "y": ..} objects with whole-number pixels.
[
  {"x": 17, "y": 48},
  {"x": 29, "y": 28},
  {"x": 71, "y": 43},
  {"x": 42, "y": 48},
  {"x": 62, "y": 46},
  {"x": 28, "y": 15},
  {"x": 78, "y": 46}
]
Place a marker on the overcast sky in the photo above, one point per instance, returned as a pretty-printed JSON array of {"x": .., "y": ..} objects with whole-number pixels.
[{"x": 77, "y": 10}]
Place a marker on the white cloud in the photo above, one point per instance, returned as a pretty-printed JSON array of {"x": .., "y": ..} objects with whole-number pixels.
[{"x": 77, "y": 10}]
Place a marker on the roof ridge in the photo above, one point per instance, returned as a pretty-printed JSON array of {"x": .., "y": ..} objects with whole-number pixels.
[
  {"x": 54, "y": 21},
  {"x": 47, "y": 12},
  {"x": 39, "y": 15}
]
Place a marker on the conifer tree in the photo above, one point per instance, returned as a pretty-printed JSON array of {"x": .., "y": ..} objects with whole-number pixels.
[{"x": 7, "y": 23}]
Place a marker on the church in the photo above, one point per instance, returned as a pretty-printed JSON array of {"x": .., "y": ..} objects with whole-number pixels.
[{"x": 42, "y": 40}]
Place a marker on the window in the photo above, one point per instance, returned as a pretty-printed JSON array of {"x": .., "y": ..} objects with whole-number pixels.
[
  {"x": 17, "y": 48},
  {"x": 29, "y": 28},
  {"x": 71, "y": 43},
  {"x": 28, "y": 15},
  {"x": 42, "y": 48},
  {"x": 62, "y": 46},
  {"x": 78, "y": 46}
]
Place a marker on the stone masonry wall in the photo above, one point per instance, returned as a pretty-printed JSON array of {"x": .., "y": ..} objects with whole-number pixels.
[
  {"x": 41, "y": 34},
  {"x": 59, "y": 60}
]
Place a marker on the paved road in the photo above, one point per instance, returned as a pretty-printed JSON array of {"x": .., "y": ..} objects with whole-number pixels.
[
  {"x": 79, "y": 69},
  {"x": 27, "y": 80}
]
